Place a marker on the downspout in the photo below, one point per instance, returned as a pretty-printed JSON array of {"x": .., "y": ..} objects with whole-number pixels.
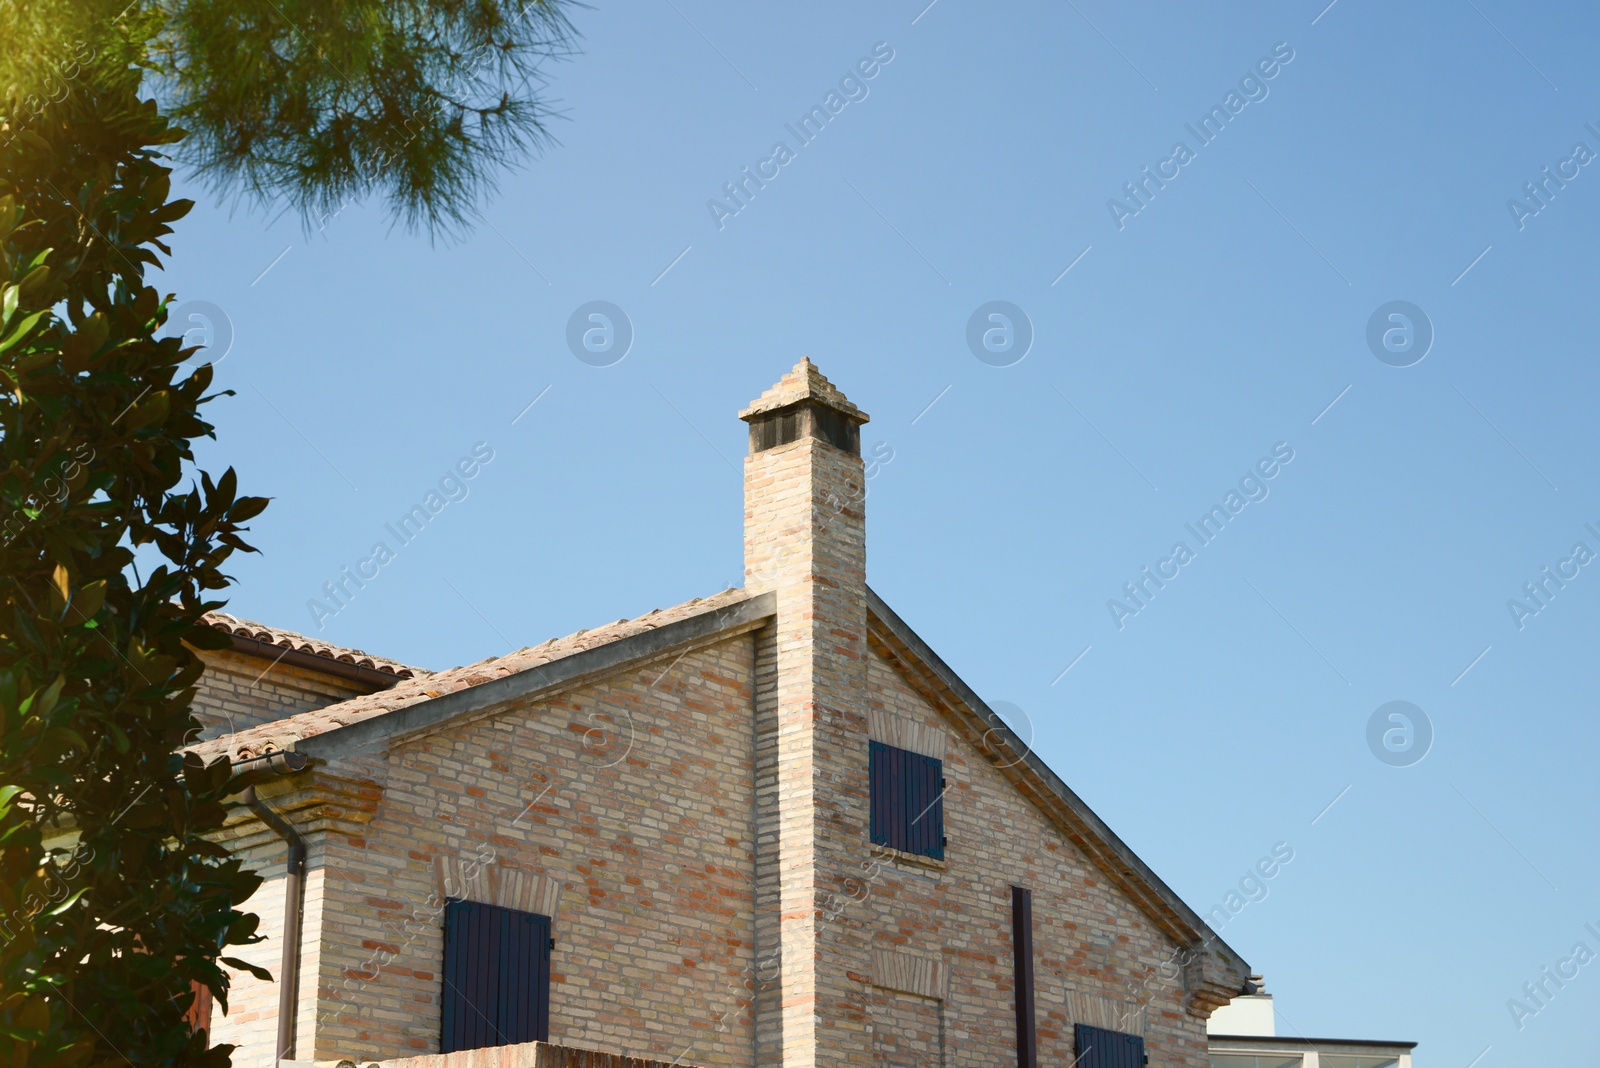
[{"x": 294, "y": 897}]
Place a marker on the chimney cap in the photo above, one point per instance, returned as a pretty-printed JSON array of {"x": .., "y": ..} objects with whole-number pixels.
[{"x": 803, "y": 383}]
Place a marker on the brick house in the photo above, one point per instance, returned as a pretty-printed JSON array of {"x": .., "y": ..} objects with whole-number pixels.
[{"x": 767, "y": 827}]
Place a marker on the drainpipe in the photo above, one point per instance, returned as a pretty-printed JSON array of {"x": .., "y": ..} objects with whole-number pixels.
[{"x": 294, "y": 896}]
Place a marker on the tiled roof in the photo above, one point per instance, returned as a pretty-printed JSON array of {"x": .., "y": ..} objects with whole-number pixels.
[
  {"x": 803, "y": 382},
  {"x": 284, "y": 733},
  {"x": 288, "y": 639}
]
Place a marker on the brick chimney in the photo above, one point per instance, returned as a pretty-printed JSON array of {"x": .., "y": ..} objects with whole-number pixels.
[{"x": 805, "y": 540}]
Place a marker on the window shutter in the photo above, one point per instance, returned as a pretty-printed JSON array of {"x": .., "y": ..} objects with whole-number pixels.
[
  {"x": 925, "y": 811},
  {"x": 880, "y": 785},
  {"x": 496, "y": 977},
  {"x": 1100, "y": 1048},
  {"x": 906, "y": 792}
]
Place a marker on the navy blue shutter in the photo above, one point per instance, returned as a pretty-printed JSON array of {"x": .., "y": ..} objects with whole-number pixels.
[
  {"x": 480, "y": 955},
  {"x": 911, "y": 790},
  {"x": 879, "y": 778},
  {"x": 906, "y": 792},
  {"x": 910, "y": 803},
  {"x": 503, "y": 1020},
  {"x": 521, "y": 1001},
  {"x": 496, "y": 977},
  {"x": 534, "y": 993},
  {"x": 926, "y": 777},
  {"x": 897, "y": 799},
  {"x": 449, "y": 1003},
  {"x": 457, "y": 937},
  {"x": 1100, "y": 1048}
]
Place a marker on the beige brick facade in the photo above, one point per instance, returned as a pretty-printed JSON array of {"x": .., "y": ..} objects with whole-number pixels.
[
  {"x": 644, "y": 829},
  {"x": 1088, "y": 938},
  {"x": 239, "y": 691},
  {"x": 689, "y": 803}
]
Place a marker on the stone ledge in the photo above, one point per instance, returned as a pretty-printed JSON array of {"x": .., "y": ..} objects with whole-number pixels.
[{"x": 908, "y": 861}]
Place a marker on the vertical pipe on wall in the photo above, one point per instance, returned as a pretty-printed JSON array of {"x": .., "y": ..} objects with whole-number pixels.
[
  {"x": 1022, "y": 971},
  {"x": 293, "y": 906}
]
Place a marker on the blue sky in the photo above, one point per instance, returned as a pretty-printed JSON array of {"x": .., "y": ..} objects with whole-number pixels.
[{"x": 1228, "y": 315}]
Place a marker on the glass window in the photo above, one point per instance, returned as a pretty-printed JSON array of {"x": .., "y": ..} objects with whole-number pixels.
[{"x": 1344, "y": 1060}]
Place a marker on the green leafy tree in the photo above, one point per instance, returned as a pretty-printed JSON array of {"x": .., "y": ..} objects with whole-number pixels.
[{"x": 116, "y": 903}]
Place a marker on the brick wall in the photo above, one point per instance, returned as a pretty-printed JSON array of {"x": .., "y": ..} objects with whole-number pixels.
[
  {"x": 1093, "y": 950},
  {"x": 639, "y": 831},
  {"x": 238, "y": 691},
  {"x": 251, "y": 1022},
  {"x": 906, "y": 1030}
]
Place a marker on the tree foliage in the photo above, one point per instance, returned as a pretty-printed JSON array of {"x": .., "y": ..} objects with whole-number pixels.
[
  {"x": 104, "y": 932},
  {"x": 324, "y": 101},
  {"x": 115, "y": 899}
]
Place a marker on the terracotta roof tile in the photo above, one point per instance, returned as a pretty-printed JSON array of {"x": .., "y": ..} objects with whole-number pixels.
[
  {"x": 284, "y": 733},
  {"x": 288, "y": 639}
]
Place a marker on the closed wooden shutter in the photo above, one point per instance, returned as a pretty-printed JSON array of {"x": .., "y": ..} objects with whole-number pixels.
[
  {"x": 496, "y": 977},
  {"x": 925, "y": 777},
  {"x": 1099, "y": 1048},
  {"x": 881, "y": 787},
  {"x": 906, "y": 793}
]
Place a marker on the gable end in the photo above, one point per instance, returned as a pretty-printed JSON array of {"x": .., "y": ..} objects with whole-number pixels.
[{"x": 1213, "y": 972}]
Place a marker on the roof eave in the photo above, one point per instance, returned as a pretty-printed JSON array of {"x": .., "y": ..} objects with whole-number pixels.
[
  {"x": 415, "y": 721},
  {"x": 298, "y": 658},
  {"x": 1271, "y": 1041}
]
